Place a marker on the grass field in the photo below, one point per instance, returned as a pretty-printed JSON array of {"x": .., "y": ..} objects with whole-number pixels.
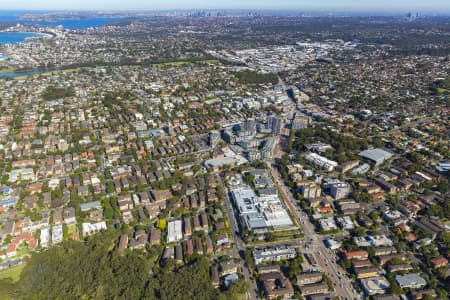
[
  {"x": 9, "y": 70},
  {"x": 71, "y": 229},
  {"x": 166, "y": 64},
  {"x": 211, "y": 61},
  {"x": 172, "y": 64},
  {"x": 441, "y": 91},
  {"x": 23, "y": 77},
  {"x": 181, "y": 63},
  {"x": 12, "y": 273}
]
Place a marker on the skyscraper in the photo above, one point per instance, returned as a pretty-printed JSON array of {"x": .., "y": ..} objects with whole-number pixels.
[
  {"x": 300, "y": 121},
  {"x": 275, "y": 124},
  {"x": 249, "y": 125}
]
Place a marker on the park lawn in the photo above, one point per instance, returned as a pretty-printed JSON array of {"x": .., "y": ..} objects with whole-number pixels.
[
  {"x": 182, "y": 63},
  {"x": 441, "y": 91},
  {"x": 22, "y": 251},
  {"x": 8, "y": 70},
  {"x": 172, "y": 64},
  {"x": 12, "y": 273},
  {"x": 71, "y": 229},
  {"x": 211, "y": 61},
  {"x": 210, "y": 98},
  {"x": 57, "y": 72},
  {"x": 23, "y": 77}
]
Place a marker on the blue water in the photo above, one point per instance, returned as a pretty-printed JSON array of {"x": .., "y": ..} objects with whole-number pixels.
[
  {"x": 16, "y": 74},
  {"x": 76, "y": 24},
  {"x": 15, "y": 37},
  {"x": 72, "y": 24}
]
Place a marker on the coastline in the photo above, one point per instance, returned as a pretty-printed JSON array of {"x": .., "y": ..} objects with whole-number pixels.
[
  {"x": 27, "y": 32},
  {"x": 40, "y": 34},
  {"x": 23, "y": 36}
]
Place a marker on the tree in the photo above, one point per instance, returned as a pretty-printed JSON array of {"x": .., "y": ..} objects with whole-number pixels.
[
  {"x": 443, "y": 186},
  {"x": 252, "y": 77},
  {"x": 394, "y": 288},
  {"x": 290, "y": 140},
  {"x": 110, "y": 187},
  {"x": 65, "y": 231},
  {"x": 327, "y": 280},
  {"x": 162, "y": 224},
  {"x": 192, "y": 281},
  {"x": 8, "y": 239},
  {"x": 77, "y": 270},
  {"x": 270, "y": 237},
  {"x": 237, "y": 289},
  {"x": 53, "y": 92},
  {"x": 249, "y": 178},
  {"x": 442, "y": 293}
]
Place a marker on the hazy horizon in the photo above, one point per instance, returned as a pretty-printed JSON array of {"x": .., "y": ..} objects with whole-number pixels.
[{"x": 323, "y": 5}]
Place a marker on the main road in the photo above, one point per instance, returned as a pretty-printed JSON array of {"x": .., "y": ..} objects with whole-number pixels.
[{"x": 313, "y": 241}]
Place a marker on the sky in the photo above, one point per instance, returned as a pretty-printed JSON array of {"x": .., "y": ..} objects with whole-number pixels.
[{"x": 357, "y": 5}]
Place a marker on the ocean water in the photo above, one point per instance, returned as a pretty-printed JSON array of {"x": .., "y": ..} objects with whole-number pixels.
[
  {"x": 15, "y": 37},
  {"x": 72, "y": 24},
  {"x": 77, "y": 24}
]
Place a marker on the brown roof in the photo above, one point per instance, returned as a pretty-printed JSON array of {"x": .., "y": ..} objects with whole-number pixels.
[
  {"x": 123, "y": 242},
  {"x": 155, "y": 236},
  {"x": 161, "y": 195},
  {"x": 356, "y": 254},
  {"x": 276, "y": 284},
  {"x": 439, "y": 262}
]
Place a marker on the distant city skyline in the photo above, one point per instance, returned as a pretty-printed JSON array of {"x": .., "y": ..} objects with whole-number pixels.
[{"x": 351, "y": 5}]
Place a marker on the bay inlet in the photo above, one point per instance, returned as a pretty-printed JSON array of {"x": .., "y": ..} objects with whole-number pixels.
[{"x": 17, "y": 37}]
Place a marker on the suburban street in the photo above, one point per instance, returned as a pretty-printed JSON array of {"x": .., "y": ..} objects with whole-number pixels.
[
  {"x": 313, "y": 241},
  {"x": 239, "y": 245}
]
